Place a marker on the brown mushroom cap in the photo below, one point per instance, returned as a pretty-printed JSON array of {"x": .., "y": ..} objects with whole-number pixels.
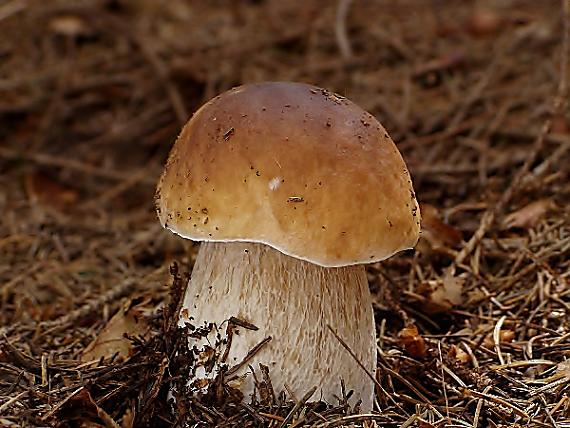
[{"x": 293, "y": 166}]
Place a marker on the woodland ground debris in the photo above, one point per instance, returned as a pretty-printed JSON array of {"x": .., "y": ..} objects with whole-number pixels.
[{"x": 91, "y": 96}]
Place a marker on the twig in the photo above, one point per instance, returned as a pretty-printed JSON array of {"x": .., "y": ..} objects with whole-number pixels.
[
  {"x": 111, "y": 295},
  {"x": 248, "y": 357},
  {"x": 12, "y": 400},
  {"x": 353, "y": 355},
  {"x": 497, "y": 338},
  {"x": 370, "y": 375},
  {"x": 340, "y": 28},
  {"x": 479, "y": 407},
  {"x": 117, "y": 190},
  {"x": 162, "y": 74},
  {"x": 297, "y": 406},
  {"x": 62, "y": 403},
  {"x": 495, "y": 399},
  {"x": 11, "y": 8},
  {"x": 71, "y": 164}
]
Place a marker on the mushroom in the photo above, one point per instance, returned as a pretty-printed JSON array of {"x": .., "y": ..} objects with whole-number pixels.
[{"x": 292, "y": 189}]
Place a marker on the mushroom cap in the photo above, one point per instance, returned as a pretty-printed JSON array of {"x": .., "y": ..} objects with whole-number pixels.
[{"x": 292, "y": 166}]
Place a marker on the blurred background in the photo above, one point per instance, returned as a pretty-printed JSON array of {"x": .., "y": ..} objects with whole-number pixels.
[{"x": 94, "y": 92}]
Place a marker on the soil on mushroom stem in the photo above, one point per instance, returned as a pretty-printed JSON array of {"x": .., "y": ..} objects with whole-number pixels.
[{"x": 472, "y": 331}]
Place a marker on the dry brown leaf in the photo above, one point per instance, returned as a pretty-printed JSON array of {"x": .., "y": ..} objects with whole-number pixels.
[
  {"x": 484, "y": 22},
  {"x": 200, "y": 383},
  {"x": 441, "y": 295},
  {"x": 111, "y": 340},
  {"x": 505, "y": 336},
  {"x": 435, "y": 233},
  {"x": 459, "y": 355},
  {"x": 84, "y": 403},
  {"x": 529, "y": 215},
  {"x": 48, "y": 192},
  {"x": 410, "y": 340}
]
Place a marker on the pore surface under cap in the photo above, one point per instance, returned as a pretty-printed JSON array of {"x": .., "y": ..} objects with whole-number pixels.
[{"x": 292, "y": 166}]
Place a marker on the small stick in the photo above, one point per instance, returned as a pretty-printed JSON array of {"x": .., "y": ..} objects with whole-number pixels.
[
  {"x": 242, "y": 323},
  {"x": 12, "y": 400},
  {"x": 71, "y": 164},
  {"x": 248, "y": 357},
  {"x": 497, "y": 400},
  {"x": 340, "y": 29},
  {"x": 113, "y": 294},
  {"x": 479, "y": 407},
  {"x": 59, "y": 405},
  {"x": 269, "y": 384},
  {"x": 497, "y": 338},
  {"x": 271, "y": 416},
  {"x": 12, "y": 8},
  {"x": 353, "y": 355},
  {"x": 297, "y": 406}
]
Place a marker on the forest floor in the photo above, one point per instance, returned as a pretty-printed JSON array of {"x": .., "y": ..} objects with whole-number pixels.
[{"x": 473, "y": 325}]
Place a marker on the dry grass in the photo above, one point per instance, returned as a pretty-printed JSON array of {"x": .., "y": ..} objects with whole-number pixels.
[{"x": 474, "y": 326}]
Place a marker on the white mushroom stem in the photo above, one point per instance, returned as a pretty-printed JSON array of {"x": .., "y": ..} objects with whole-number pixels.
[{"x": 292, "y": 301}]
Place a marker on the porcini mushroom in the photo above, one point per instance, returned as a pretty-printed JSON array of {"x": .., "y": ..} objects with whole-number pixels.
[{"x": 292, "y": 189}]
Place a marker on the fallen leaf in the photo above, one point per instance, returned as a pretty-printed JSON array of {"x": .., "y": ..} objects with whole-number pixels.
[
  {"x": 505, "y": 336},
  {"x": 443, "y": 294},
  {"x": 436, "y": 234},
  {"x": 111, "y": 340},
  {"x": 410, "y": 340},
  {"x": 83, "y": 405},
  {"x": 528, "y": 216},
  {"x": 459, "y": 354},
  {"x": 43, "y": 189},
  {"x": 484, "y": 22}
]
